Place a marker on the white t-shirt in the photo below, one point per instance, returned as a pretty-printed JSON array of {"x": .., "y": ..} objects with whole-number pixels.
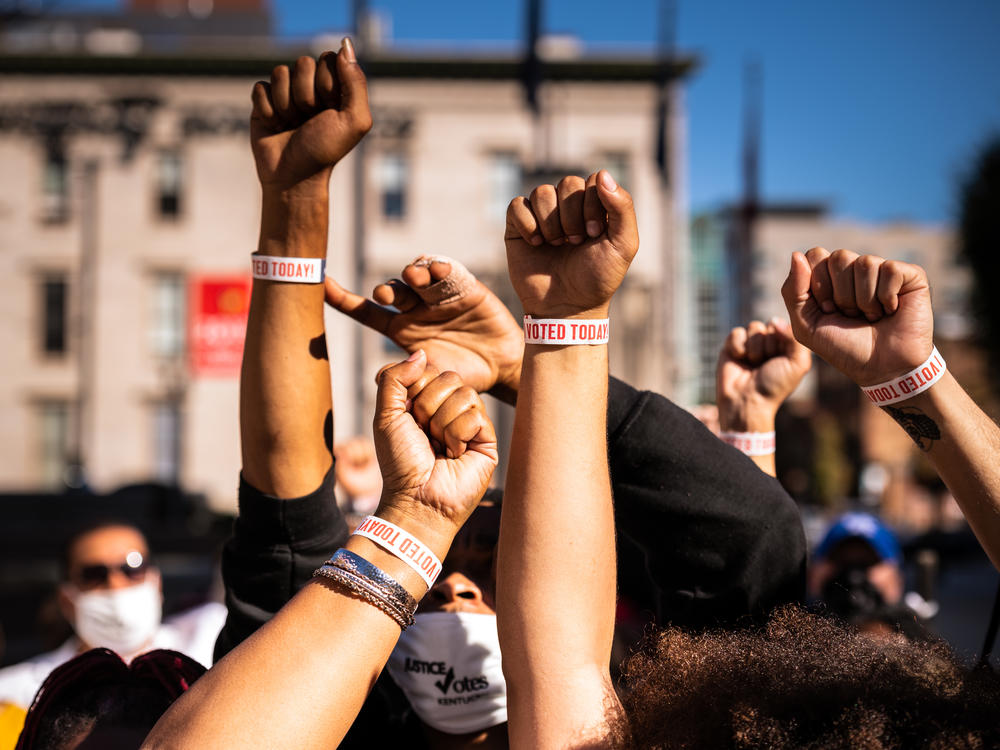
[{"x": 192, "y": 632}]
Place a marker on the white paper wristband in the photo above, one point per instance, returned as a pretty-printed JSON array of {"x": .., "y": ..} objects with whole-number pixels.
[
  {"x": 751, "y": 443},
  {"x": 556, "y": 331},
  {"x": 403, "y": 545},
  {"x": 299, "y": 270},
  {"x": 909, "y": 385}
]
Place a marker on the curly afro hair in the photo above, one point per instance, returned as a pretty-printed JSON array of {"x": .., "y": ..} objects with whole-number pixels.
[{"x": 804, "y": 681}]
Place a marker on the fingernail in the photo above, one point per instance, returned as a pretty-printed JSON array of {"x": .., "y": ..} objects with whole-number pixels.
[
  {"x": 593, "y": 228},
  {"x": 608, "y": 181},
  {"x": 536, "y": 240},
  {"x": 408, "y": 404},
  {"x": 576, "y": 239},
  {"x": 415, "y": 356},
  {"x": 347, "y": 47},
  {"x": 557, "y": 242},
  {"x": 827, "y": 306}
]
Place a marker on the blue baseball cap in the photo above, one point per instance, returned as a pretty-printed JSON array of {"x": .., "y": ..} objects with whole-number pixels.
[{"x": 862, "y": 526}]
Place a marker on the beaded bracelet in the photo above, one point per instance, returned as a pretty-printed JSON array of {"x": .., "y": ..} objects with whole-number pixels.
[{"x": 371, "y": 584}]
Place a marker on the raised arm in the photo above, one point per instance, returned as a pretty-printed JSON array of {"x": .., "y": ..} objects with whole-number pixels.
[
  {"x": 871, "y": 318},
  {"x": 303, "y": 121},
  {"x": 300, "y": 680},
  {"x": 719, "y": 539},
  {"x": 759, "y": 367},
  {"x": 556, "y": 559}
]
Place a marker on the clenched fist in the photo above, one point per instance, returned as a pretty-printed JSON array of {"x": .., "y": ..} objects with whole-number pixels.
[
  {"x": 436, "y": 447},
  {"x": 869, "y": 317},
  {"x": 569, "y": 246},
  {"x": 308, "y": 118}
]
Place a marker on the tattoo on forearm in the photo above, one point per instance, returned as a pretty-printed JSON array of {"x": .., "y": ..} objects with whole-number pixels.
[{"x": 918, "y": 425}]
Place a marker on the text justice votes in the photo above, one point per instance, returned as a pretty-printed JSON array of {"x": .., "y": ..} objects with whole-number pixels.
[{"x": 577, "y": 331}]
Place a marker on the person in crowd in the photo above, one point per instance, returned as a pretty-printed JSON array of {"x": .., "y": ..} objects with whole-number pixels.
[
  {"x": 288, "y": 523},
  {"x": 97, "y": 700},
  {"x": 759, "y": 367},
  {"x": 871, "y": 318},
  {"x": 322, "y": 652},
  {"x": 800, "y": 681},
  {"x": 112, "y": 596},
  {"x": 856, "y": 572},
  {"x": 300, "y": 679}
]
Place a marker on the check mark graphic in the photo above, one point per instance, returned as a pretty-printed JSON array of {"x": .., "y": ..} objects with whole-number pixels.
[{"x": 448, "y": 679}]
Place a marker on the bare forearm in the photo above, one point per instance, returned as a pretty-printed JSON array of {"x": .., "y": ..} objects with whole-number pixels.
[
  {"x": 285, "y": 402},
  {"x": 558, "y": 522},
  {"x": 964, "y": 445},
  {"x": 305, "y": 662}
]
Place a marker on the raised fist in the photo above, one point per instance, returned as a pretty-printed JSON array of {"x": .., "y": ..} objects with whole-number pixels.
[
  {"x": 436, "y": 447},
  {"x": 569, "y": 246},
  {"x": 869, "y": 317},
  {"x": 306, "y": 120},
  {"x": 759, "y": 367}
]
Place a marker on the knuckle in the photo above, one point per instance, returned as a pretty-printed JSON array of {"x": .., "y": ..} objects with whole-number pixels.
[
  {"x": 868, "y": 262},
  {"x": 841, "y": 259},
  {"x": 569, "y": 184},
  {"x": 362, "y": 122},
  {"x": 543, "y": 192}
]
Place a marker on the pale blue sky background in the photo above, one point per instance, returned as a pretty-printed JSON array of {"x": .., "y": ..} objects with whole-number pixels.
[{"x": 878, "y": 106}]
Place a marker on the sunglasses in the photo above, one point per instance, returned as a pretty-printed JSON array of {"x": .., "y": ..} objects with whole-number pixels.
[{"x": 92, "y": 576}]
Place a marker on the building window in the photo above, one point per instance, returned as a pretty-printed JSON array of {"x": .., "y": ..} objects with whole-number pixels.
[
  {"x": 167, "y": 441},
  {"x": 54, "y": 315},
  {"x": 168, "y": 184},
  {"x": 393, "y": 174},
  {"x": 617, "y": 163},
  {"x": 55, "y": 187},
  {"x": 504, "y": 182},
  {"x": 167, "y": 317},
  {"x": 53, "y": 418}
]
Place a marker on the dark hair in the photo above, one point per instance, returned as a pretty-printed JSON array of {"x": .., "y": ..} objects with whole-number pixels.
[
  {"x": 89, "y": 528},
  {"x": 97, "y": 690},
  {"x": 803, "y": 680}
]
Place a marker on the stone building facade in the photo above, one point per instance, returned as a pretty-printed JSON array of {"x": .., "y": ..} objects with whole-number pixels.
[{"x": 128, "y": 198}]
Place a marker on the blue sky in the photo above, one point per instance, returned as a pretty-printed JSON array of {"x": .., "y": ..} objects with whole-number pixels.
[{"x": 877, "y": 106}]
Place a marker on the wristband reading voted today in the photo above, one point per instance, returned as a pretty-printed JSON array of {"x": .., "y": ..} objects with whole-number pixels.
[
  {"x": 555, "y": 331},
  {"x": 751, "y": 443},
  {"x": 403, "y": 545},
  {"x": 909, "y": 385},
  {"x": 300, "y": 270}
]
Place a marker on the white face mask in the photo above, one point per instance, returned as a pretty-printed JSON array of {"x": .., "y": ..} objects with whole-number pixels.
[
  {"x": 448, "y": 664},
  {"x": 123, "y": 620}
]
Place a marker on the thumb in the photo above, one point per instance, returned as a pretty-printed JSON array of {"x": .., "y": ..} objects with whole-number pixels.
[
  {"x": 353, "y": 87},
  {"x": 393, "y": 382},
  {"x": 622, "y": 229},
  {"x": 795, "y": 292}
]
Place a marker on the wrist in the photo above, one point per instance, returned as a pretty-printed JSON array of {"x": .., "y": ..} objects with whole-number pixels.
[
  {"x": 434, "y": 531},
  {"x": 751, "y": 415},
  {"x": 904, "y": 386},
  {"x": 568, "y": 312},
  {"x": 294, "y": 223}
]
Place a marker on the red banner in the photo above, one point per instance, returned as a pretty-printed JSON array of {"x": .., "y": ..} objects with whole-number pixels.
[{"x": 217, "y": 323}]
